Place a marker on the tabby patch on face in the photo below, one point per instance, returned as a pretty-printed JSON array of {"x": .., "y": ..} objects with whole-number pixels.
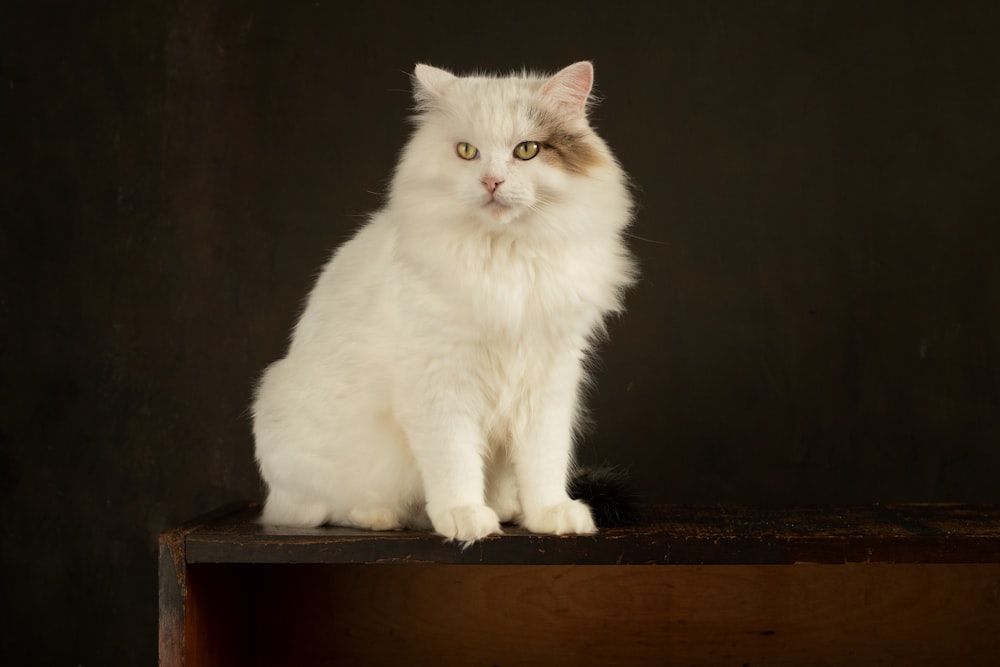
[{"x": 563, "y": 147}]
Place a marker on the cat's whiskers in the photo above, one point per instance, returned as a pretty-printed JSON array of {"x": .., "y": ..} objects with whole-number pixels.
[{"x": 641, "y": 238}]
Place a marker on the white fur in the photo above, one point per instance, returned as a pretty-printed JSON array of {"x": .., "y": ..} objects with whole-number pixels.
[{"x": 433, "y": 379}]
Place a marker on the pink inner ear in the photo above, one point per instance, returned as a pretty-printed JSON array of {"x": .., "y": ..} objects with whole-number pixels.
[
  {"x": 571, "y": 85},
  {"x": 433, "y": 79}
]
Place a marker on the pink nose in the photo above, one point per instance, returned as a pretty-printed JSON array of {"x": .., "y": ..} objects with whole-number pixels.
[{"x": 492, "y": 183}]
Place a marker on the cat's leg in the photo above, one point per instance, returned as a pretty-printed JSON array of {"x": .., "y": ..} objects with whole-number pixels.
[
  {"x": 295, "y": 479},
  {"x": 371, "y": 487},
  {"x": 501, "y": 485},
  {"x": 342, "y": 461},
  {"x": 451, "y": 465},
  {"x": 297, "y": 490},
  {"x": 287, "y": 467},
  {"x": 379, "y": 479},
  {"x": 287, "y": 509},
  {"x": 543, "y": 455},
  {"x": 448, "y": 446}
]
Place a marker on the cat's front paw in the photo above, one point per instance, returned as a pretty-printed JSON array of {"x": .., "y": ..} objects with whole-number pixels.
[
  {"x": 569, "y": 517},
  {"x": 466, "y": 524}
]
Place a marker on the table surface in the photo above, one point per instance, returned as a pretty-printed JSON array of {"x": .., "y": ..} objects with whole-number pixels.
[{"x": 668, "y": 535}]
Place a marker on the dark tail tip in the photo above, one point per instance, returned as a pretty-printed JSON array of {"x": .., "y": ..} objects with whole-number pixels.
[{"x": 610, "y": 493}]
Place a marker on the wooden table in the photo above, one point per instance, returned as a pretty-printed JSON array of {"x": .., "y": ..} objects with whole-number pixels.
[{"x": 709, "y": 585}]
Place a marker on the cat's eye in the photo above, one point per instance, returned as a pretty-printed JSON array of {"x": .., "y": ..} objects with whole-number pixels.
[
  {"x": 467, "y": 151},
  {"x": 526, "y": 150}
]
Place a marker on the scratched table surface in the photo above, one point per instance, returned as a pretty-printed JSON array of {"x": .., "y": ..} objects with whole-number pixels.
[{"x": 689, "y": 535}]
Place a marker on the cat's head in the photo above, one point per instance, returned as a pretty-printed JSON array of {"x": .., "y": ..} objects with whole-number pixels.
[{"x": 497, "y": 149}]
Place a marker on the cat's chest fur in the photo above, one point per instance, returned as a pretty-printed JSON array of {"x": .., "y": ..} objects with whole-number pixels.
[{"x": 499, "y": 289}]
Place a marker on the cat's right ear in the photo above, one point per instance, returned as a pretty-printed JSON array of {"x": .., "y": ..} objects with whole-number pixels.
[{"x": 429, "y": 83}]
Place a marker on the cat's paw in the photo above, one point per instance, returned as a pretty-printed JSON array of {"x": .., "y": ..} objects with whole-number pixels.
[
  {"x": 286, "y": 510},
  {"x": 466, "y": 524},
  {"x": 375, "y": 518},
  {"x": 568, "y": 517}
]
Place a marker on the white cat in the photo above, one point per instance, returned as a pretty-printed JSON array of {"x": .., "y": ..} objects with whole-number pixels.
[{"x": 433, "y": 379}]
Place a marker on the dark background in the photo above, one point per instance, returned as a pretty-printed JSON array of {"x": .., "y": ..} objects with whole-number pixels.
[{"x": 818, "y": 321}]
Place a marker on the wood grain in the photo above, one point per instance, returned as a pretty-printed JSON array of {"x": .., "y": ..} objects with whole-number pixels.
[{"x": 595, "y": 615}]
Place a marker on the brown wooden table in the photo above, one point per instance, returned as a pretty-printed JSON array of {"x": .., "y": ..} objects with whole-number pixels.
[{"x": 707, "y": 585}]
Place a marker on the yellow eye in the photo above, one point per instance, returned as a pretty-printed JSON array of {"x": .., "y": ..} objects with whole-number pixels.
[
  {"x": 526, "y": 150},
  {"x": 467, "y": 151}
]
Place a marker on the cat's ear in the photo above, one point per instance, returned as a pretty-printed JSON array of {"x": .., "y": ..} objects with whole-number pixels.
[
  {"x": 429, "y": 82},
  {"x": 570, "y": 87}
]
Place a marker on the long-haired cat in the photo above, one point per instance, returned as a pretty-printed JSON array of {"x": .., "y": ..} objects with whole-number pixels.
[{"x": 433, "y": 380}]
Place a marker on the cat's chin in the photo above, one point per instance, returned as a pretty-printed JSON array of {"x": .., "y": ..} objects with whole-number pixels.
[{"x": 500, "y": 213}]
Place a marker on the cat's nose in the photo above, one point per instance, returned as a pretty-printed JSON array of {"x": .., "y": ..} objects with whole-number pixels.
[{"x": 492, "y": 183}]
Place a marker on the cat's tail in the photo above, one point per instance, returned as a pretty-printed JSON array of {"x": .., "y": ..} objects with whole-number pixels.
[{"x": 610, "y": 493}]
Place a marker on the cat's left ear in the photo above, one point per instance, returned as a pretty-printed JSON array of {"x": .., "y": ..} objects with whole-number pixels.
[
  {"x": 430, "y": 82},
  {"x": 570, "y": 87}
]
